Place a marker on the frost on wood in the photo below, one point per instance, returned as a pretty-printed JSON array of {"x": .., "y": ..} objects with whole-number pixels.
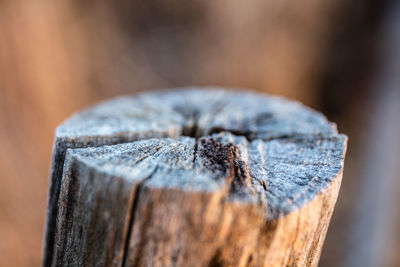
[{"x": 193, "y": 178}]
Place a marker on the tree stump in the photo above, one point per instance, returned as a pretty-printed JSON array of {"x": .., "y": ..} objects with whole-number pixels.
[{"x": 194, "y": 177}]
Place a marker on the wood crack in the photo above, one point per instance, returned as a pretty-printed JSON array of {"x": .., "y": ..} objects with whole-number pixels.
[{"x": 132, "y": 216}]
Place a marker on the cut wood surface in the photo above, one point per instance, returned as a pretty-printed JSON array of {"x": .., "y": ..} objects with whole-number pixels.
[{"x": 193, "y": 177}]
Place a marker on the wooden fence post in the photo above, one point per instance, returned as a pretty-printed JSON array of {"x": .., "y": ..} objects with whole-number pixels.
[{"x": 193, "y": 177}]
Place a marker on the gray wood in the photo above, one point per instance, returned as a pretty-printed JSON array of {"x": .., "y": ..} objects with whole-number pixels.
[{"x": 193, "y": 177}]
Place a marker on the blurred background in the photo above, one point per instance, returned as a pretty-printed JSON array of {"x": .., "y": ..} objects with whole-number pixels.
[{"x": 339, "y": 57}]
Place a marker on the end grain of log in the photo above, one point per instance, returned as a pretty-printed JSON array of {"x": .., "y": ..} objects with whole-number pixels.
[{"x": 195, "y": 177}]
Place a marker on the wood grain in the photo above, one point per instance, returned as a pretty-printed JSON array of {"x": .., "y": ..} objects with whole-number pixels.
[{"x": 193, "y": 178}]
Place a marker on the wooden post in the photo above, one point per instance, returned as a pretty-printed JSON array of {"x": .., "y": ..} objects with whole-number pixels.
[{"x": 196, "y": 177}]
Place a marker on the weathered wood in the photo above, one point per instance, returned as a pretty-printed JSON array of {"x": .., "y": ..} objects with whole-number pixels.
[{"x": 212, "y": 178}]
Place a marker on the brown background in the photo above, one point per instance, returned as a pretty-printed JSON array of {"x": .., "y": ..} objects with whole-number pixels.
[{"x": 59, "y": 56}]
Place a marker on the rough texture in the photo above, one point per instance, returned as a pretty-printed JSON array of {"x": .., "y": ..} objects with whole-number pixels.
[{"x": 217, "y": 178}]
